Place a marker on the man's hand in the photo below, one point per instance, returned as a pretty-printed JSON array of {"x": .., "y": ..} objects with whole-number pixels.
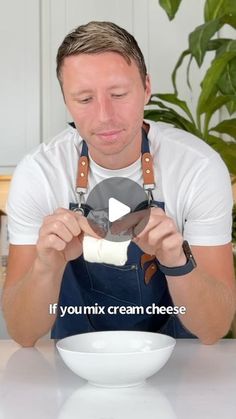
[
  {"x": 35, "y": 273},
  {"x": 156, "y": 234},
  {"x": 61, "y": 237}
]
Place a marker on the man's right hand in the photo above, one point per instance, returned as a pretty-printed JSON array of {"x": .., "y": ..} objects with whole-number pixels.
[
  {"x": 35, "y": 272},
  {"x": 61, "y": 237}
]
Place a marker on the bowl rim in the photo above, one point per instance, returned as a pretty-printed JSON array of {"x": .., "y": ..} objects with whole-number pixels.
[{"x": 169, "y": 346}]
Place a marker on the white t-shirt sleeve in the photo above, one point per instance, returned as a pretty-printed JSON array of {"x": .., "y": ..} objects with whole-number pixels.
[
  {"x": 208, "y": 205},
  {"x": 27, "y": 203}
]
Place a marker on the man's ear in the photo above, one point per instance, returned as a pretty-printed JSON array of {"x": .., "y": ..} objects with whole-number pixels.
[{"x": 147, "y": 89}]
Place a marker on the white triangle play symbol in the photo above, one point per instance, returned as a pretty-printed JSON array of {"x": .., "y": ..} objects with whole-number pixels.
[{"x": 116, "y": 209}]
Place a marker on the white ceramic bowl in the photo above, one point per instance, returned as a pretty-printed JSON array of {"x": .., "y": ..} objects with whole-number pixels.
[{"x": 116, "y": 358}]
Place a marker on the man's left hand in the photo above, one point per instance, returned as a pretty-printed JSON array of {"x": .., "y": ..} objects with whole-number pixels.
[{"x": 155, "y": 233}]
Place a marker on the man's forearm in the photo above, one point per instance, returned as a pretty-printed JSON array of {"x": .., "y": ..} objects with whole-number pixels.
[
  {"x": 210, "y": 304},
  {"x": 26, "y": 304}
]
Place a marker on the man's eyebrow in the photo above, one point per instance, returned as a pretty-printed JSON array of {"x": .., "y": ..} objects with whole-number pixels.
[
  {"x": 81, "y": 92},
  {"x": 89, "y": 91}
]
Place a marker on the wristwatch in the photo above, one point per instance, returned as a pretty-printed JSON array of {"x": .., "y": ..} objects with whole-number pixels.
[{"x": 180, "y": 270}]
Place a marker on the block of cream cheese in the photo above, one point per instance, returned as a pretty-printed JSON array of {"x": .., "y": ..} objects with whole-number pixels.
[{"x": 105, "y": 251}]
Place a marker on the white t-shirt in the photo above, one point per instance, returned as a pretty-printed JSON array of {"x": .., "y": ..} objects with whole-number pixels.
[{"x": 191, "y": 179}]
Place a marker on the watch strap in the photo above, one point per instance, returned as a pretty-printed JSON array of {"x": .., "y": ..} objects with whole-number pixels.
[{"x": 180, "y": 270}]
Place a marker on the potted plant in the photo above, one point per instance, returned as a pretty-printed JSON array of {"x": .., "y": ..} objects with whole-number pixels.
[{"x": 218, "y": 87}]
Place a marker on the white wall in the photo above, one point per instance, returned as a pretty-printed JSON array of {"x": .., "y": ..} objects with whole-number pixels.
[
  {"x": 160, "y": 40},
  {"x": 19, "y": 80}
]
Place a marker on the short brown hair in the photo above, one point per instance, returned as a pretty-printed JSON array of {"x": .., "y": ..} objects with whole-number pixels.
[{"x": 97, "y": 37}]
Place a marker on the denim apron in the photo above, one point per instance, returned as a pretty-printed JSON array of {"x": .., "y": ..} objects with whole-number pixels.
[{"x": 86, "y": 284}]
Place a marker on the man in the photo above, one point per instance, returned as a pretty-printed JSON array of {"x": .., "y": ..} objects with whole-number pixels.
[{"x": 105, "y": 86}]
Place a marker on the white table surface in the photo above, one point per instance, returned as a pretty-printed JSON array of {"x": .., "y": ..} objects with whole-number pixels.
[{"x": 198, "y": 382}]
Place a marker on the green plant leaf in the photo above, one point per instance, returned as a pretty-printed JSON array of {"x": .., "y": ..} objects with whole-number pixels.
[
  {"x": 169, "y": 115},
  {"x": 213, "y": 45},
  {"x": 212, "y": 106},
  {"x": 229, "y": 19},
  {"x": 188, "y": 73},
  {"x": 218, "y": 8},
  {"x": 211, "y": 79},
  {"x": 199, "y": 39},
  {"x": 215, "y": 104},
  {"x": 231, "y": 107},
  {"x": 213, "y": 9},
  {"x": 216, "y": 44},
  {"x": 227, "y": 81},
  {"x": 172, "y": 98},
  {"x": 162, "y": 116},
  {"x": 227, "y": 151},
  {"x": 227, "y": 45},
  {"x": 226, "y": 127},
  {"x": 177, "y": 65},
  {"x": 170, "y": 7},
  {"x": 220, "y": 144}
]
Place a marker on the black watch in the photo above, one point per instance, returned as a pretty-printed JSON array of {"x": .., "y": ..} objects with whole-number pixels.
[{"x": 180, "y": 270}]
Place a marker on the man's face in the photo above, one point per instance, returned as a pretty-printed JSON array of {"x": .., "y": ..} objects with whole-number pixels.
[{"x": 105, "y": 96}]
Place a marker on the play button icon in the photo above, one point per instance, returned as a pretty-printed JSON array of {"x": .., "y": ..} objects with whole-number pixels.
[
  {"x": 116, "y": 209},
  {"x": 117, "y": 205}
]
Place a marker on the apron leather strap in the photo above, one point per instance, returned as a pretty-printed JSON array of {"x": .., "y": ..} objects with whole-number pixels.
[
  {"x": 151, "y": 269},
  {"x": 82, "y": 174},
  {"x": 148, "y": 174},
  {"x": 149, "y": 272}
]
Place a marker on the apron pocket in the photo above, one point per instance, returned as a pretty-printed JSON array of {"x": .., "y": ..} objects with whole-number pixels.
[{"x": 119, "y": 282}]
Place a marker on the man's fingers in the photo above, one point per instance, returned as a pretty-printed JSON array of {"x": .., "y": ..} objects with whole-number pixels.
[
  {"x": 90, "y": 228},
  {"x": 137, "y": 221},
  {"x": 59, "y": 229},
  {"x": 66, "y": 217},
  {"x": 67, "y": 224},
  {"x": 164, "y": 224},
  {"x": 52, "y": 242},
  {"x": 159, "y": 236},
  {"x": 129, "y": 221}
]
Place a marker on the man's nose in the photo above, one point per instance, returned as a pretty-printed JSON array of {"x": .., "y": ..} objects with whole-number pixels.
[{"x": 104, "y": 109}]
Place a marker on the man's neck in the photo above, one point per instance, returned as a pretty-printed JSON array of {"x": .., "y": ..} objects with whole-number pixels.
[
  {"x": 125, "y": 158},
  {"x": 115, "y": 162}
]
